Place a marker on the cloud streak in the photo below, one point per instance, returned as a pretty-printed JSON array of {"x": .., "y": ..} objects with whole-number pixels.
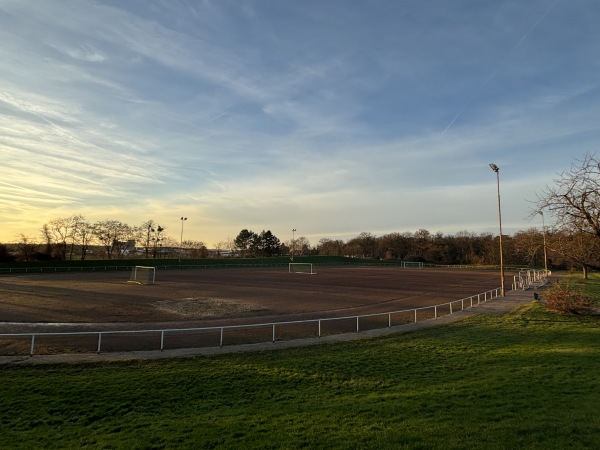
[{"x": 324, "y": 117}]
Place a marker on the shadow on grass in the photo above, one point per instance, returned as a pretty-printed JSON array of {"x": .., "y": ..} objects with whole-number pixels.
[{"x": 526, "y": 379}]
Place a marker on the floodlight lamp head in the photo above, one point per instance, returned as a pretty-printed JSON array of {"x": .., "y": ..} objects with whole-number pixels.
[
  {"x": 184, "y": 218},
  {"x": 494, "y": 167}
]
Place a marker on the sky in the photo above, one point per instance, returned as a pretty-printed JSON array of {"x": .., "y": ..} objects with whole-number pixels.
[{"x": 328, "y": 117}]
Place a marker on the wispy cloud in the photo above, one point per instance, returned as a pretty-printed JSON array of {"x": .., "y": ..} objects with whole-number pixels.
[{"x": 329, "y": 117}]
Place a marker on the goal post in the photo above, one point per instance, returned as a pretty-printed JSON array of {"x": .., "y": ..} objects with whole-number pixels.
[
  {"x": 412, "y": 264},
  {"x": 302, "y": 268},
  {"x": 143, "y": 275}
]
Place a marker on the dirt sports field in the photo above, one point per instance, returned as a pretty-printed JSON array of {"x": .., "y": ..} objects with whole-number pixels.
[
  {"x": 216, "y": 297},
  {"x": 101, "y": 311}
]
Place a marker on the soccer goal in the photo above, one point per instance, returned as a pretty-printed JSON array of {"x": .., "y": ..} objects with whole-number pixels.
[
  {"x": 407, "y": 264},
  {"x": 143, "y": 275},
  {"x": 302, "y": 268}
]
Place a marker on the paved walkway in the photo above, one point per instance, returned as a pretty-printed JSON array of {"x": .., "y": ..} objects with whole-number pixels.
[{"x": 499, "y": 305}]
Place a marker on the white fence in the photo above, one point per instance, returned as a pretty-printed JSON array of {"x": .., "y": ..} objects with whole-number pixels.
[
  {"x": 137, "y": 340},
  {"x": 530, "y": 277}
]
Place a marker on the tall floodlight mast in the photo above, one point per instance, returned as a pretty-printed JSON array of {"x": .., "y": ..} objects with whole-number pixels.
[
  {"x": 183, "y": 219},
  {"x": 496, "y": 169},
  {"x": 293, "y": 243}
]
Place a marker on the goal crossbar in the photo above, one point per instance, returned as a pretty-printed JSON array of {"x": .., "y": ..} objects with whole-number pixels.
[
  {"x": 407, "y": 264},
  {"x": 143, "y": 275},
  {"x": 302, "y": 268}
]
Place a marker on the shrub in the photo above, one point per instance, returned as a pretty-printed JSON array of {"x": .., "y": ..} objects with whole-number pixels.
[
  {"x": 5, "y": 255},
  {"x": 566, "y": 299}
]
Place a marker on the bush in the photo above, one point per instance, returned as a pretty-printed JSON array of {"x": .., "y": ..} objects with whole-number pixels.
[
  {"x": 41, "y": 256},
  {"x": 566, "y": 299},
  {"x": 5, "y": 255}
]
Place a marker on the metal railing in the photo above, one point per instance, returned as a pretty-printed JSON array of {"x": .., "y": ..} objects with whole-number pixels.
[
  {"x": 530, "y": 277},
  {"x": 23, "y": 343}
]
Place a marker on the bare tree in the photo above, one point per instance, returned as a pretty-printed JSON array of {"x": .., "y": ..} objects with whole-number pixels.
[
  {"x": 229, "y": 245},
  {"x": 574, "y": 201},
  {"x": 300, "y": 246},
  {"x": 27, "y": 248},
  {"x": 394, "y": 245},
  {"x": 157, "y": 240},
  {"x": 421, "y": 241},
  {"x": 218, "y": 246},
  {"x": 195, "y": 249},
  {"x": 47, "y": 235},
  {"x": 112, "y": 234},
  {"x": 61, "y": 229},
  {"x": 330, "y": 247},
  {"x": 464, "y": 242},
  {"x": 168, "y": 247},
  {"x": 82, "y": 235},
  {"x": 529, "y": 246},
  {"x": 581, "y": 250},
  {"x": 574, "y": 198},
  {"x": 353, "y": 249},
  {"x": 145, "y": 234},
  {"x": 364, "y": 245}
]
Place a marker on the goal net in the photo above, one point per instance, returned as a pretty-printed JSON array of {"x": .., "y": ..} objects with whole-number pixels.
[
  {"x": 407, "y": 264},
  {"x": 142, "y": 275},
  {"x": 302, "y": 268}
]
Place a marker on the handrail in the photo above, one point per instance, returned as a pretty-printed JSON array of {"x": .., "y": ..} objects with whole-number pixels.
[{"x": 488, "y": 295}]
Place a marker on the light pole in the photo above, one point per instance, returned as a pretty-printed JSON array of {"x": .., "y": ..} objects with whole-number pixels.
[
  {"x": 293, "y": 243},
  {"x": 183, "y": 219},
  {"x": 544, "y": 235},
  {"x": 496, "y": 169}
]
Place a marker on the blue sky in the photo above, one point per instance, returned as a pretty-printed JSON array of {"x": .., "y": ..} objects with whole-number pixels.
[{"x": 331, "y": 117}]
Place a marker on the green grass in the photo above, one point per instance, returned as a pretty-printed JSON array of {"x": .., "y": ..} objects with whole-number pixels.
[
  {"x": 527, "y": 379},
  {"x": 590, "y": 286}
]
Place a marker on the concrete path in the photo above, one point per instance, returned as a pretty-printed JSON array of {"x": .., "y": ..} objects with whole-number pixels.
[{"x": 499, "y": 305}]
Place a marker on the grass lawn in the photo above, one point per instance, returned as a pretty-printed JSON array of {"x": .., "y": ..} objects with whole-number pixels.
[{"x": 528, "y": 379}]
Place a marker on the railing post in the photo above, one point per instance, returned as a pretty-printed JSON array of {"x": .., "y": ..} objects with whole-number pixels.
[{"x": 489, "y": 295}]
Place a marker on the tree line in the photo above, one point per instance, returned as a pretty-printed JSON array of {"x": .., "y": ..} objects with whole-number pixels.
[
  {"x": 573, "y": 241},
  {"x": 72, "y": 237}
]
